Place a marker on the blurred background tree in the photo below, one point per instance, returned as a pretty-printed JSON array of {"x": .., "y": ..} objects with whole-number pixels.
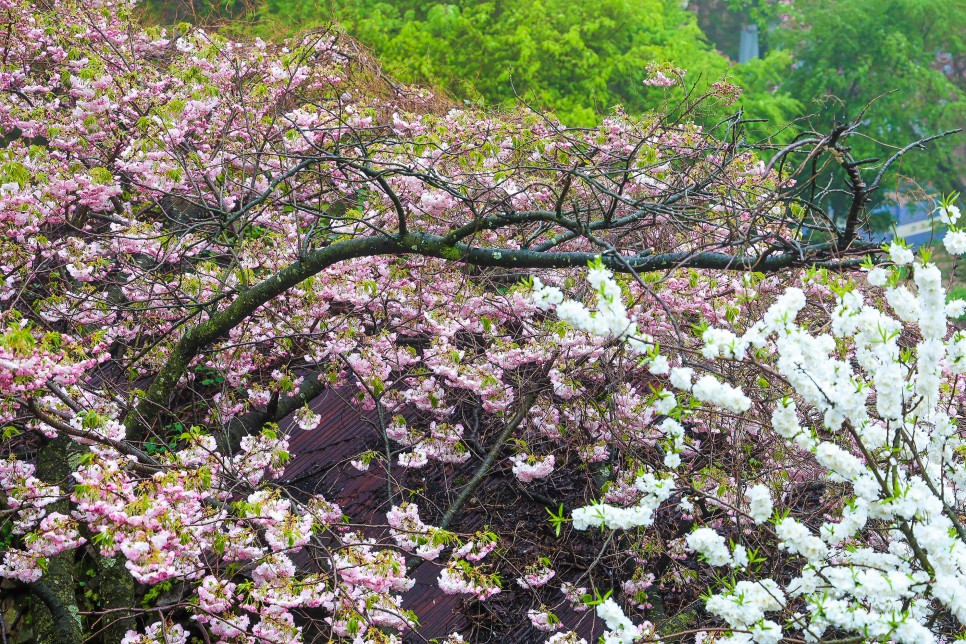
[
  {"x": 576, "y": 59},
  {"x": 818, "y": 62},
  {"x": 905, "y": 57}
]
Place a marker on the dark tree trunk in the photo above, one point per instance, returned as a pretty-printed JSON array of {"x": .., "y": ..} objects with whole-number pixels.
[{"x": 56, "y": 616}]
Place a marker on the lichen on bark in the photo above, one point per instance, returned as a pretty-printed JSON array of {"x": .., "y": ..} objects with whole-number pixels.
[{"x": 56, "y": 616}]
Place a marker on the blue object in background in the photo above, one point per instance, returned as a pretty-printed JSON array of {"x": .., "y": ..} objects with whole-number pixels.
[{"x": 914, "y": 222}]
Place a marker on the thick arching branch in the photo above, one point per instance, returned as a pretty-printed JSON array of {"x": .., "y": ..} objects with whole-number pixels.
[{"x": 198, "y": 337}]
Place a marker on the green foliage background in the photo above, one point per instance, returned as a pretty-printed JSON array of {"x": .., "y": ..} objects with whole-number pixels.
[
  {"x": 853, "y": 52},
  {"x": 824, "y": 60},
  {"x": 577, "y": 59}
]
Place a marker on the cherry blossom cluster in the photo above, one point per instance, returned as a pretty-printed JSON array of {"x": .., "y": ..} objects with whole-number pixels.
[
  {"x": 875, "y": 415},
  {"x": 155, "y": 181}
]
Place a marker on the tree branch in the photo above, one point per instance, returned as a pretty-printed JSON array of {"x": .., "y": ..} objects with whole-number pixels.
[
  {"x": 141, "y": 418},
  {"x": 494, "y": 453}
]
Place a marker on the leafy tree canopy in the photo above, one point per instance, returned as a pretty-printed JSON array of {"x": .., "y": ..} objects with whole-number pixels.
[
  {"x": 903, "y": 56},
  {"x": 577, "y": 59}
]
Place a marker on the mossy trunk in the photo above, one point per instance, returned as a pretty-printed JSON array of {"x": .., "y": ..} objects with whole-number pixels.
[
  {"x": 56, "y": 617},
  {"x": 117, "y": 591}
]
